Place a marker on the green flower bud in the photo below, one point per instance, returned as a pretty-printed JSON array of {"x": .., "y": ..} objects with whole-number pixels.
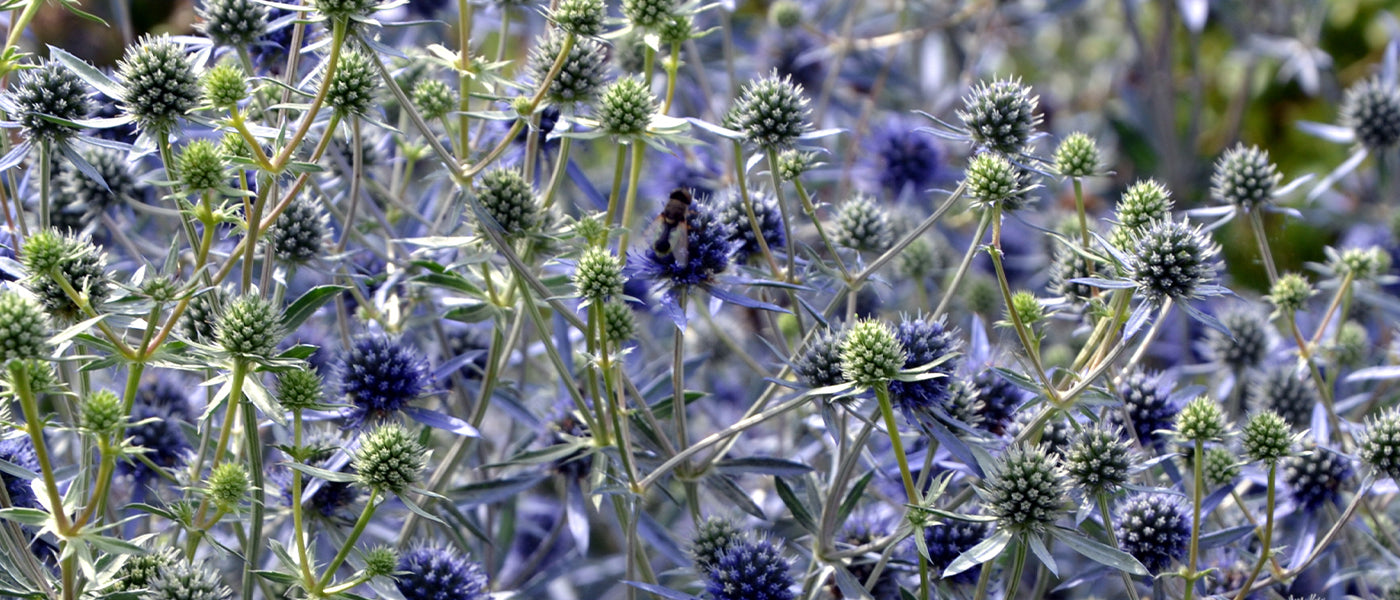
[
  {"x": 712, "y": 538},
  {"x": 870, "y": 354},
  {"x": 160, "y": 83},
  {"x": 227, "y": 485},
  {"x": 793, "y": 163},
  {"x": 1027, "y": 307},
  {"x": 619, "y": 324},
  {"x": 1379, "y": 444},
  {"x": 300, "y": 389},
  {"x": 863, "y": 225},
  {"x": 201, "y": 167},
  {"x": 433, "y": 98},
  {"x": 389, "y": 459},
  {"x": 626, "y": 108},
  {"x": 1077, "y": 156},
  {"x": 1098, "y": 461},
  {"x": 51, "y": 257},
  {"x": 352, "y": 88},
  {"x": 1001, "y": 115},
  {"x": 771, "y": 111},
  {"x": 1267, "y": 438},
  {"x": 1201, "y": 421},
  {"x": 598, "y": 275},
  {"x": 226, "y": 85},
  {"x": 1026, "y": 489},
  {"x": 648, "y": 14},
  {"x": 24, "y": 329},
  {"x": 249, "y": 328},
  {"x": 785, "y": 14},
  {"x": 103, "y": 413},
  {"x": 993, "y": 181},
  {"x": 583, "y": 18},
  {"x": 381, "y": 561},
  {"x": 1290, "y": 293},
  {"x": 1221, "y": 467},
  {"x": 508, "y": 198}
]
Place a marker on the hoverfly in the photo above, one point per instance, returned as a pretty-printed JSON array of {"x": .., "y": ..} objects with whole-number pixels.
[{"x": 670, "y": 231}]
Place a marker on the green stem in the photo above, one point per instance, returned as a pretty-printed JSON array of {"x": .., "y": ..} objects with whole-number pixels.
[
  {"x": 1017, "y": 568},
  {"x": 972, "y": 247},
  {"x": 255, "y": 466},
  {"x": 34, "y": 426},
  {"x": 1268, "y": 537},
  {"x": 629, "y": 205},
  {"x": 1113, "y": 537},
  {"x": 882, "y": 395},
  {"x": 1196, "y": 493},
  {"x": 45, "y": 168},
  {"x": 307, "y": 578},
  {"x": 345, "y": 548}
]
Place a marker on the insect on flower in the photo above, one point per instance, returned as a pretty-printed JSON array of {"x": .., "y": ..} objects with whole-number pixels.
[{"x": 670, "y": 231}]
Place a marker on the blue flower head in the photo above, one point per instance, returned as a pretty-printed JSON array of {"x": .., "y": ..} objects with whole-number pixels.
[
  {"x": 160, "y": 408},
  {"x": 332, "y": 500},
  {"x": 902, "y": 157},
  {"x": 380, "y": 377},
  {"x": 946, "y": 542},
  {"x": 1317, "y": 476},
  {"x": 20, "y": 453},
  {"x": 730, "y": 207},
  {"x": 433, "y": 573},
  {"x": 1149, "y": 407},
  {"x": 925, "y": 341},
  {"x": 751, "y": 570},
  {"x": 709, "y": 250},
  {"x": 1155, "y": 529}
]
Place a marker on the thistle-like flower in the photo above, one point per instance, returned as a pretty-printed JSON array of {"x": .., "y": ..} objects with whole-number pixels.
[
  {"x": 49, "y": 90},
  {"x": 160, "y": 83},
  {"x": 580, "y": 78},
  {"x": 233, "y": 23},
  {"x": 1154, "y": 529},
  {"x": 389, "y": 459},
  {"x": 751, "y": 570},
  {"x": 1173, "y": 260},
  {"x": 771, "y": 112},
  {"x": 1245, "y": 177},
  {"x": 381, "y": 377},
  {"x": 440, "y": 573},
  {"x": 1001, "y": 115},
  {"x": 1026, "y": 489},
  {"x": 1371, "y": 108},
  {"x": 1317, "y": 476},
  {"x": 1098, "y": 461},
  {"x": 1380, "y": 443},
  {"x": 819, "y": 364}
]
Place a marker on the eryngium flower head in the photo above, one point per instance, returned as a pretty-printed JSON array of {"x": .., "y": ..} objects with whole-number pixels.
[
  {"x": 235, "y": 23},
  {"x": 1077, "y": 156},
  {"x": 771, "y": 111},
  {"x": 870, "y": 354},
  {"x": 300, "y": 389},
  {"x": 1371, "y": 108},
  {"x": 948, "y": 541},
  {"x": 1246, "y": 346},
  {"x": 863, "y": 225},
  {"x": 139, "y": 571},
  {"x": 179, "y": 580},
  {"x": 54, "y": 91},
  {"x": 1144, "y": 203},
  {"x": 714, "y": 536},
  {"x": 750, "y": 570},
  {"x": 299, "y": 234},
  {"x": 228, "y": 483},
  {"x": 709, "y": 251},
  {"x": 819, "y": 364},
  {"x": 1173, "y": 260},
  {"x": 992, "y": 181},
  {"x": 581, "y": 76},
  {"x": 201, "y": 167},
  {"x": 381, "y": 376},
  {"x": 202, "y": 314},
  {"x": 619, "y": 324},
  {"x": 1154, "y": 529},
  {"x": 1201, "y": 421},
  {"x": 433, "y": 98},
  {"x": 924, "y": 341},
  {"x": 1244, "y": 177},
  {"x": 676, "y": 30},
  {"x": 583, "y": 18},
  {"x": 352, "y": 88},
  {"x": 904, "y": 157},
  {"x": 226, "y": 85},
  {"x": 785, "y": 14},
  {"x": 1267, "y": 437},
  {"x": 626, "y": 107},
  {"x": 1380, "y": 443},
  {"x": 157, "y": 428},
  {"x": 103, "y": 413},
  {"x": 1025, "y": 490},
  {"x": 343, "y": 10},
  {"x": 1066, "y": 266},
  {"x": 1220, "y": 467},
  {"x": 649, "y": 14},
  {"x": 793, "y": 163},
  {"x": 997, "y": 398},
  {"x": 508, "y": 198},
  {"x": 249, "y": 328},
  {"x": 94, "y": 198},
  {"x": 1149, "y": 407},
  {"x": 159, "y": 83},
  {"x": 598, "y": 275},
  {"x": 24, "y": 329},
  {"x": 1000, "y": 115},
  {"x": 1283, "y": 390},
  {"x": 389, "y": 459},
  {"x": 19, "y": 451},
  {"x": 440, "y": 573},
  {"x": 1098, "y": 461},
  {"x": 1317, "y": 476},
  {"x": 48, "y": 255},
  {"x": 731, "y": 209},
  {"x": 1362, "y": 264}
]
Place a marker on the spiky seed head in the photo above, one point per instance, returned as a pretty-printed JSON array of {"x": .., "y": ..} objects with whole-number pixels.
[
  {"x": 1379, "y": 445},
  {"x": 389, "y": 459},
  {"x": 300, "y": 234},
  {"x": 202, "y": 167},
  {"x": 583, "y": 18},
  {"x": 381, "y": 561},
  {"x": 819, "y": 364},
  {"x": 179, "y": 580},
  {"x": 1221, "y": 467},
  {"x": 731, "y": 208},
  {"x": 863, "y": 225},
  {"x": 353, "y": 85},
  {"x": 1027, "y": 307},
  {"x": 1154, "y": 529},
  {"x": 508, "y": 198},
  {"x": 433, "y": 98},
  {"x": 202, "y": 315},
  {"x": 1077, "y": 156},
  {"x": 1371, "y": 108},
  {"x": 583, "y": 72},
  {"x": 50, "y": 90},
  {"x": 250, "y": 327},
  {"x": 24, "y": 329},
  {"x": 1098, "y": 461},
  {"x": 300, "y": 389},
  {"x": 1144, "y": 203},
  {"x": 1201, "y": 420},
  {"x": 1026, "y": 490},
  {"x": 626, "y": 107},
  {"x": 226, "y": 85},
  {"x": 86, "y": 198},
  {"x": 1284, "y": 391},
  {"x": 792, "y": 164},
  {"x": 234, "y": 23},
  {"x": 439, "y": 573},
  {"x": 228, "y": 483},
  {"x": 343, "y": 10},
  {"x": 771, "y": 111},
  {"x": 1362, "y": 264},
  {"x": 619, "y": 324},
  {"x": 993, "y": 181},
  {"x": 1000, "y": 115},
  {"x": 1172, "y": 259},
  {"x": 649, "y": 14},
  {"x": 49, "y": 256},
  {"x": 160, "y": 83},
  {"x": 676, "y": 30},
  {"x": 1248, "y": 343},
  {"x": 1290, "y": 293},
  {"x": 598, "y": 275},
  {"x": 751, "y": 570},
  {"x": 1245, "y": 177},
  {"x": 1267, "y": 437},
  {"x": 870, "y": 354},
  {"x": 1351, "y": 345},
  {"x": 103, "y": 413},
  {"x": 139, "y": 571},
  {"x": 713, "y": 537},
  {"x": 949, "y": 540},
  {"x": 1317, "y": 476}
]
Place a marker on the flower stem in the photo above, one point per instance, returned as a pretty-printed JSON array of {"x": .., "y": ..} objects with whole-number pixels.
[
  {"x": 350, "y": 540},
  {"x": 1197, "y": 469},
  {"x": 1266, "y": 542},
  {"x": 1113, "y": 537}
]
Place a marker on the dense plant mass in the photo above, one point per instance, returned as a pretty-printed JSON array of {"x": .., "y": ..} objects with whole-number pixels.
[{"x": 746, "y": 300}]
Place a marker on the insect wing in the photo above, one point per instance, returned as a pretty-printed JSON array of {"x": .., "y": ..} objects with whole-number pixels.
[{"x": 680, "y": 242}]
